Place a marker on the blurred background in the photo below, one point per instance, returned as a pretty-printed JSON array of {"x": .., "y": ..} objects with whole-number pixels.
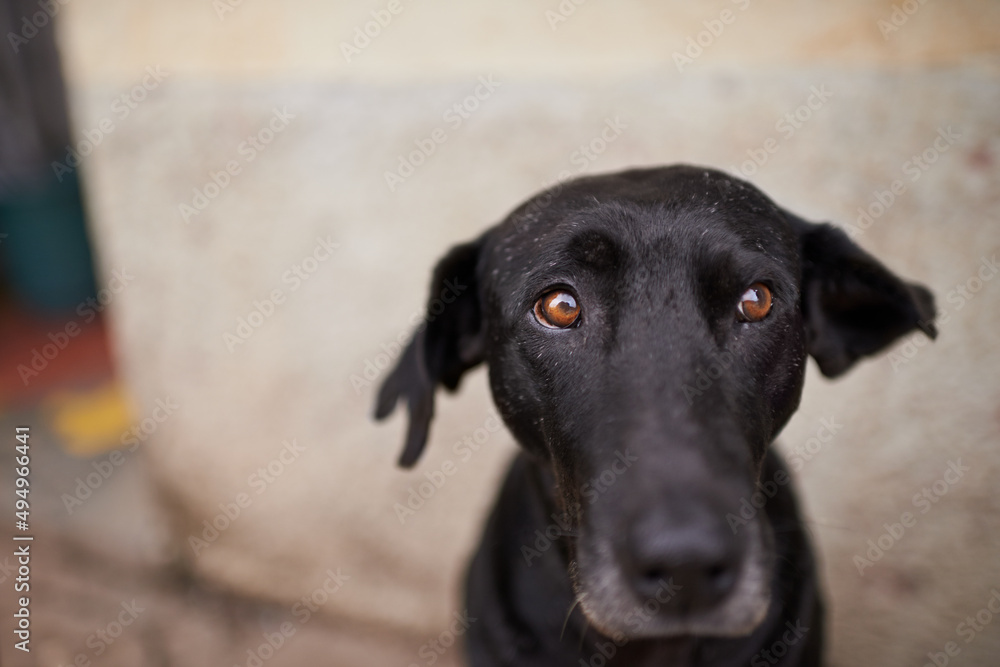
[{"x": 218, "y": 219}]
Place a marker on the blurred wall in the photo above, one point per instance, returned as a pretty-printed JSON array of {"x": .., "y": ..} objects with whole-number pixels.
[{"x": 276, "y": 266}]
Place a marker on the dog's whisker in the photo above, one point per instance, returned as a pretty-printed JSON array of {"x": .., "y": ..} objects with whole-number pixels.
[
  {"x": 583, "y": 633},
  {"x": 824, "y": 524},
  {"x": 806, "y": 523},
  {"x": 569, "y": 613}
]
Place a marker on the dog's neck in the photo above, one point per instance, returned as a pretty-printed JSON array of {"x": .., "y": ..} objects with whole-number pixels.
[{"x": 531, "y": 551}]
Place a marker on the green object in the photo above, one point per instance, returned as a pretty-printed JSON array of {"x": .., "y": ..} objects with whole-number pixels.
[{"x": 45, "y": 250}]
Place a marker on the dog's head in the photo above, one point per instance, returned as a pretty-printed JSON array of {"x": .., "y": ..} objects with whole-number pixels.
[{"x": 646, "y": 334}]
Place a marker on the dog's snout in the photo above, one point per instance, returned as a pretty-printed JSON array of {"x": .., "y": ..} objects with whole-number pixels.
[{"x": 696, "y": 562}]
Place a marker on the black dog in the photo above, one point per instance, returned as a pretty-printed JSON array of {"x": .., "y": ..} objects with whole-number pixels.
[{"x": 646, "y": 334}]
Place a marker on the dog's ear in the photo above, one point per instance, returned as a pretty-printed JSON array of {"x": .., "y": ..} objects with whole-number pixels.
[
  {"x": 448, "y": 343},
  {"x": 852, "y": 305}
]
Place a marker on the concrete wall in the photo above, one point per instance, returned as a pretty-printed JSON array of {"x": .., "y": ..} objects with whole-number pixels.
[{"x": 320, "y": 181}]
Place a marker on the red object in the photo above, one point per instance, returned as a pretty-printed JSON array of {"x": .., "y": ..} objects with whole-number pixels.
[{"x": 40, "y": 354}]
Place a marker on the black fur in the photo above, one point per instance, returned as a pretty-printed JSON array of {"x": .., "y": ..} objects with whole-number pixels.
[{"x": 646, "y": 424}]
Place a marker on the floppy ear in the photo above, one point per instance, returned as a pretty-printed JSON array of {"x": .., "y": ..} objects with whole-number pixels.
[
  {"x": 852, "y": 305},
  {"x": 448, "y": 343}
]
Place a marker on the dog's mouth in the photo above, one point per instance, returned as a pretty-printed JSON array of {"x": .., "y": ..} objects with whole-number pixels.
[{"x": 665, "y": 609}]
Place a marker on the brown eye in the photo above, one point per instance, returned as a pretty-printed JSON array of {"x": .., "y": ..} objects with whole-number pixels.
[
  {"x": 755, "y": 303},
  {"x": 557, "y": 310}
]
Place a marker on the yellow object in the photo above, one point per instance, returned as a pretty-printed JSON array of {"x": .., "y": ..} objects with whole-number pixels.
[{"x": 90, "y": 422}]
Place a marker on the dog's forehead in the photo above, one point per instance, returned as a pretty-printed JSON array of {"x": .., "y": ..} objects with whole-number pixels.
[{"x": 681, "y": 208}]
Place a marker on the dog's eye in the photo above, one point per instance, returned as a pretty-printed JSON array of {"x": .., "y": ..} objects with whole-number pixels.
[
  {"x": 755, "y": 303},
  {"x": 557, "y": 310}
]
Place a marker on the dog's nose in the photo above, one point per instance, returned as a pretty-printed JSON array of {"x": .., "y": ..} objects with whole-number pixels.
[{"x": 687, "y": 568}]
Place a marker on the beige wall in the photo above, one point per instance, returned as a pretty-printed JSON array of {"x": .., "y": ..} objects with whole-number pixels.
[
  {"x": 108, "y": 41},
  {"x": 323, "y": 176}
]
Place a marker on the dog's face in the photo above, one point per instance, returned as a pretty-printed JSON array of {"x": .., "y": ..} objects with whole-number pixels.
[{"x": 646, "y": 335}]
